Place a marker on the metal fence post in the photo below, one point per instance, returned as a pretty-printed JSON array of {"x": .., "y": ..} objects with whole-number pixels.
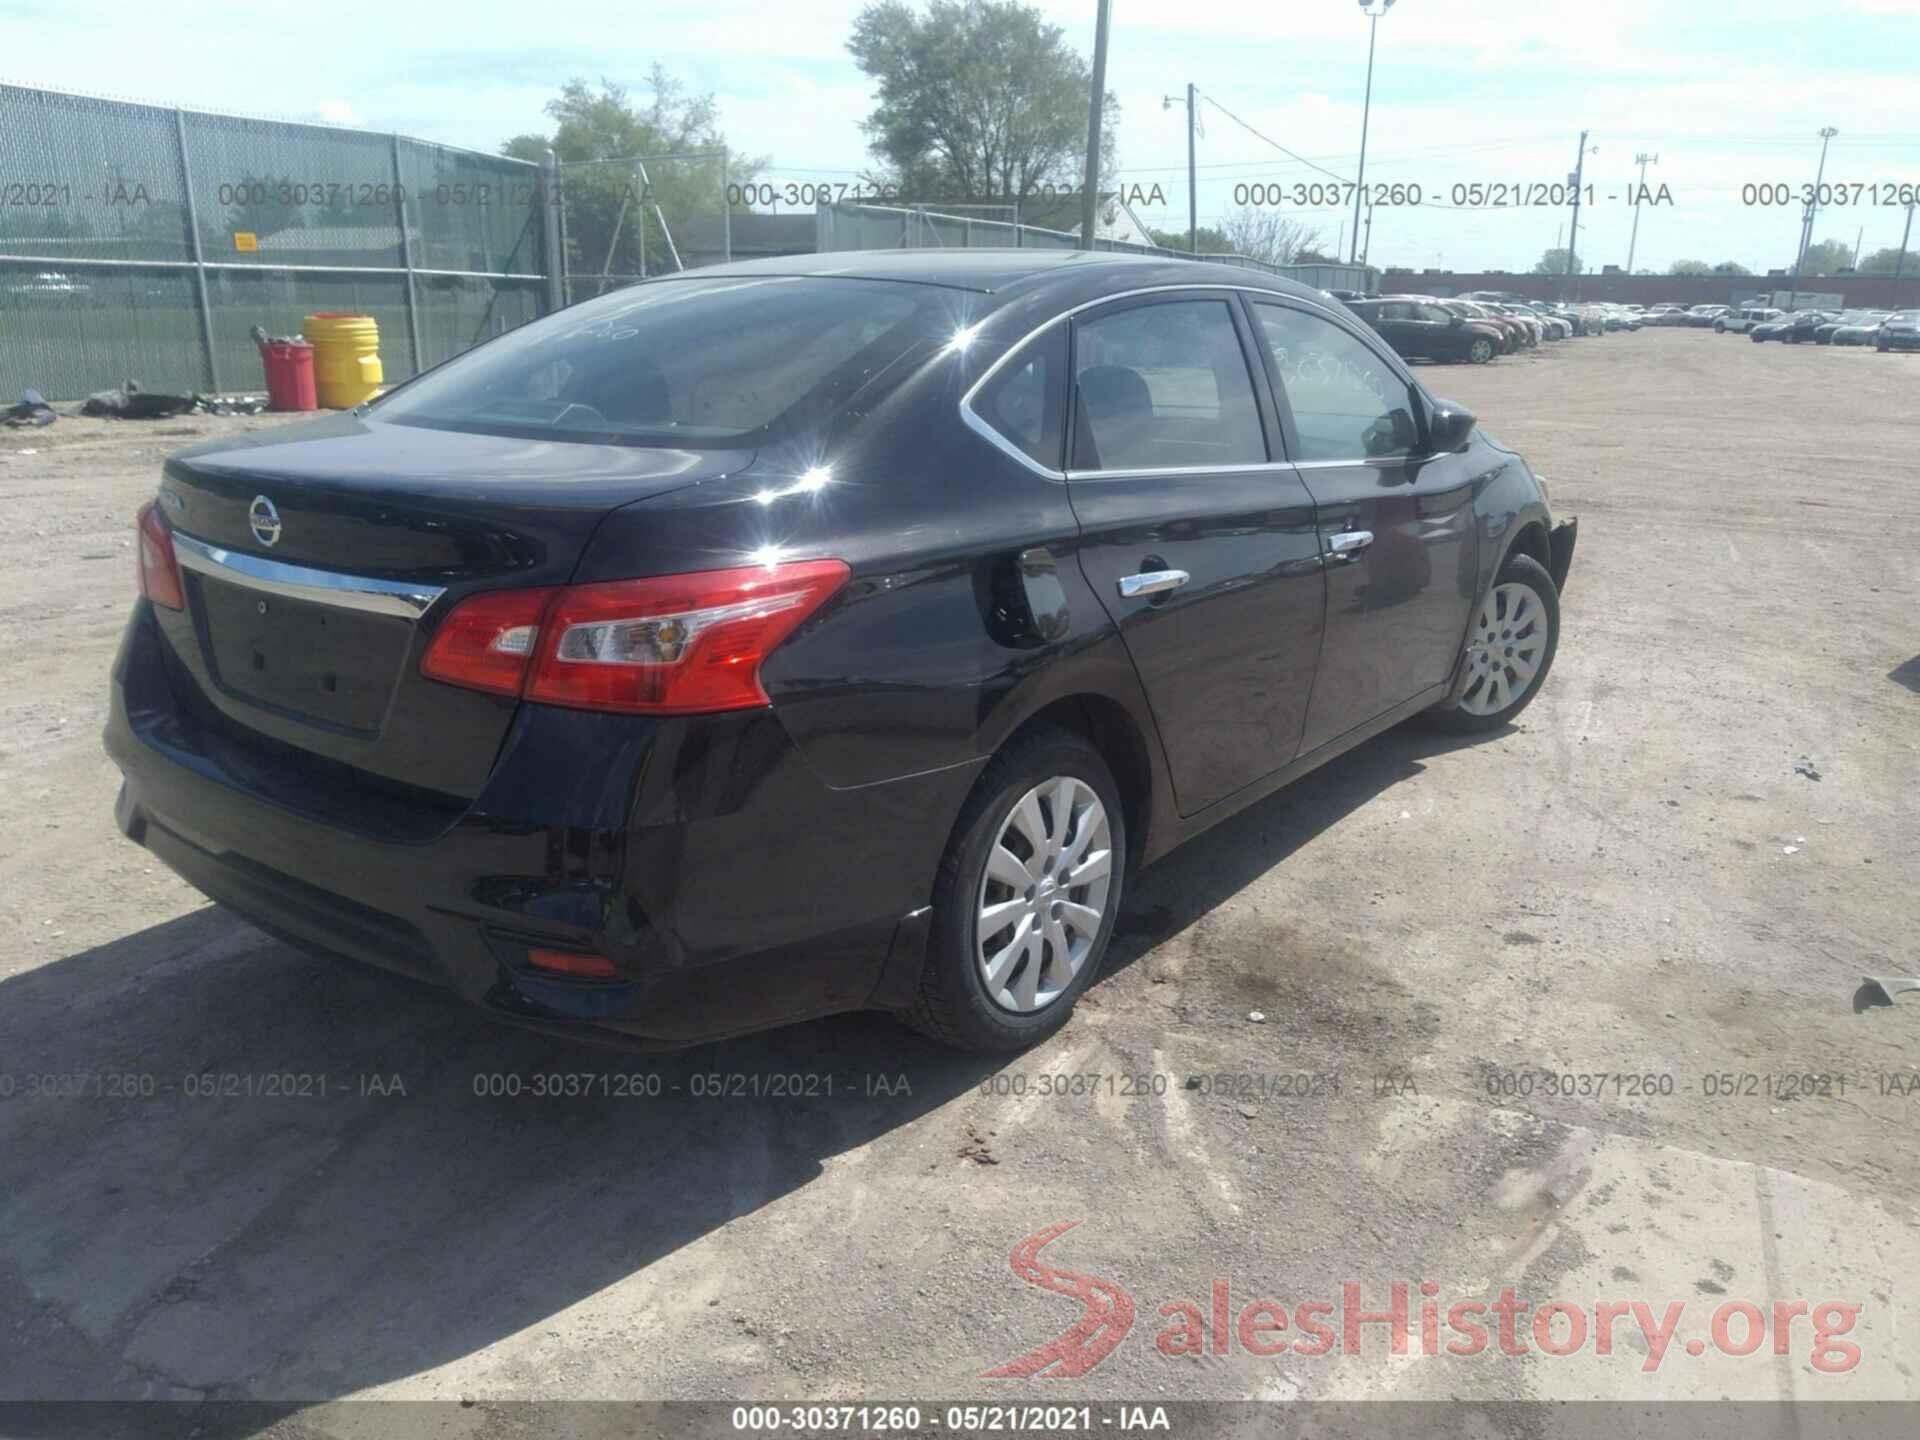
[
  {"x": 550, "y": 204},
  {"x": 406, "y": 259},
  {"x": 199, "y": 258},
  {"x": 726, "y": 208}
]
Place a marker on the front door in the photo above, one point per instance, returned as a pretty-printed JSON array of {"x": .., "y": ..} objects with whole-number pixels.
[
  {"x": 1396, "y": 524},
  {"x": 1198, "y": 539}
]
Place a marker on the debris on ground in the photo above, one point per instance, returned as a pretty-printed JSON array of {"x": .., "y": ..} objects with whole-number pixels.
[
  {"x": 1893, "y": 985},
  {"x": 976, "y": 1149},
  {"x": 32, "y": 410},
  {"x": 231, "y": 404},
  {"x": 127, "y": 401},
  {"x": 1258, "y": 1017},
  {"x": 1806, "y": 767}
]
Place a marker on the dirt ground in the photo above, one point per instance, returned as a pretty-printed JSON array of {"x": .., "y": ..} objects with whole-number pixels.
[{"x": 1510, "y": 977}]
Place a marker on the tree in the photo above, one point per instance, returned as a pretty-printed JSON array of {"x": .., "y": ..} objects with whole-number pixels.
[
  {"x": 978, "y": 103},
  {"x": 610, "y": 215},
  {"x": 1689, "y": 267},
  {"x": 1887, "y": 261},
  {"x": 1267, "y": 235},
  {"x": 1826, "y": 257},
  {"x": 1731, "y": 267},
  {"x": 1213, "y": 240},
  {"x": 1554, "y": 262}
]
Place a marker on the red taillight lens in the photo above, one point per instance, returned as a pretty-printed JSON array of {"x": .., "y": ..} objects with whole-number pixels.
[
  {"x": 676, "y": 644},
  {"x": 569, "y": 962},
  {"x": 671, "y": 645},
  {"x": 159, "y": 570},
  {"x": 488, "y": 641}
]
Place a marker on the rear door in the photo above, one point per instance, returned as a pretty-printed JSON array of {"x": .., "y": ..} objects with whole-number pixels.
[
  {"x": 1199, "y": 539},
  {"x": 1396, "y": 524}
]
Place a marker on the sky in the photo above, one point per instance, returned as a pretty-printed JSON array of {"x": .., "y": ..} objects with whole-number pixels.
[{"x": 1727, "y": 96}]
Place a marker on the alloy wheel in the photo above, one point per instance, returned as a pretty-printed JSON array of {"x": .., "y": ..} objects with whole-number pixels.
[
  {"x": 1509, "y": 642},
  {"x": 1044, "y": 894}
]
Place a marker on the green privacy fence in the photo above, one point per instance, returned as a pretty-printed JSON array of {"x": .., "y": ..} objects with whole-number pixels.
[{"x": 141, "y": 241}]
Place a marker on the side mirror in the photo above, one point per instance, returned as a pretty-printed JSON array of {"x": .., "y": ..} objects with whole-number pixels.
[{"x": 1449, "y": 425}]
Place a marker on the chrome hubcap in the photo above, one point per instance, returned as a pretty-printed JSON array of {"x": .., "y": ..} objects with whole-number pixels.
[
  {"x": 1044, "y": 893},
  {"x": 1504, "y": 653}
]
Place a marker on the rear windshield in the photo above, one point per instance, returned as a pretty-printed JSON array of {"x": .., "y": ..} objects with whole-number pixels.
[{"x": 720, "y": 362}]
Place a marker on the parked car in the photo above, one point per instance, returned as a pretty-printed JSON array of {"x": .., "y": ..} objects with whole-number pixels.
[
  {"x": 1536, "y": 328},
  {"x": 1665, "y": 315},
  {"x": 1514, "y": 336},
  {"x": 1742, "y": 319},
  {"x": 1426, "y": 330},
  {"x": 1857, "y": 330},
  {"x": 811, "y": 634},
  {"x": 1703, "y": 316},
  {"x": 1619, "y": 317},
  {"x": 1790, "y": 329},
  {"x": 1899, "y": 331}
]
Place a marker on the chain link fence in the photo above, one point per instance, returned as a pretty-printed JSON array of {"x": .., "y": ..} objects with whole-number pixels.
[
  {"x": 626, "y": 220},
  {"x": 144, "y": 242}
]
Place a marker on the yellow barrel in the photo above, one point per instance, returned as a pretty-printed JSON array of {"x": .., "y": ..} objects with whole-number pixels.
[{"x": 346, "y": 359}]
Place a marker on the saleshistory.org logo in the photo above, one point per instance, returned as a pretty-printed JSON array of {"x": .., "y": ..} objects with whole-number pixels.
[{"x": 1319, "y": 1327}]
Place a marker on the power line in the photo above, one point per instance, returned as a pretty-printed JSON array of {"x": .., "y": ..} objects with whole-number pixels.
[{"x": 1271, "y": 141}]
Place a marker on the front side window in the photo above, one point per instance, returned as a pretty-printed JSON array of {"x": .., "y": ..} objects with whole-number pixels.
[
  {"x": 1164, "y": 386},
  {"x": 718, "y": 362},
  {"x": 1348, "y": 404}
]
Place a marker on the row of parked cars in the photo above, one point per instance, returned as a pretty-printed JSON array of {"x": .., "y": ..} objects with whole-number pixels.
[
  {"x": 1481, "y": 325},
  {"x": 1883, "y": 329}
]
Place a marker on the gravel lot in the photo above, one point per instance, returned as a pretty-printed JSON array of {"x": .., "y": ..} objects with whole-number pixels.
[{"x": 1635, "y": 881}]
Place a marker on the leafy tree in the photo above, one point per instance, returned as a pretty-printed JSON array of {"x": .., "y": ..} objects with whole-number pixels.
[
  {"x": 1731, "y": 267},
  {"x": 1826, "y": 257},
  {"x": 1887, "y": 261},
  {"x": 979, "y": 102},
  {"x": 1689, "y": 267},
  {"x": 1554, "y": 262},
  {"x": 1213, "y": 240},
  {"x": 610, "y": 213}
]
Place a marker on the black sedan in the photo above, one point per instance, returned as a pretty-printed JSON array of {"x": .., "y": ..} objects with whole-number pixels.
[
  {"x": 1424, "y": 330},
  {"x": 1791, "y": 329},
  {"x": 811, "y": 634}
]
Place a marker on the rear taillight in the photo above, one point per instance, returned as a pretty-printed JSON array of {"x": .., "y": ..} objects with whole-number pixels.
[
  {"x": 669, "y": 645},
  {"x": 159, "y": 570}
]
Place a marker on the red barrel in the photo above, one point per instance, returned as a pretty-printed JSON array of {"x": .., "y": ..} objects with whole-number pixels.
[{"x": 289, "y": 375}]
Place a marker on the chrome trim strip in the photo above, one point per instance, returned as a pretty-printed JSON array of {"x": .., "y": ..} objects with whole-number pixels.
[
  {"x": 985, "y": 431},
  {"x": 1136, "y": 472},
  {"x": 402, "y": 598}
]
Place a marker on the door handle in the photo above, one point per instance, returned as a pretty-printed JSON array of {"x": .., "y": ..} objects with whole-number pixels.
[
  {"x": 1348, "y": 544},
  {"x": 1152, "y": 582}
]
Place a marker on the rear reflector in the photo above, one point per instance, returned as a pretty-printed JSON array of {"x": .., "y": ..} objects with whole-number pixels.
[
  {"x": 571, "y": 962},
  {"x": 671, "y": 645},
  {"x": 159, "y": 570}
]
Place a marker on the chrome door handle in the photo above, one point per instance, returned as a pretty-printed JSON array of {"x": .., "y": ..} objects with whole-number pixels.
[
  {"x": 1348, "y": 544},
  {"x": 1152, "y": 582}
]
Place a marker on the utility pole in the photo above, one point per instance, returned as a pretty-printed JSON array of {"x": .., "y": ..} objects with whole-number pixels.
[
  {"x": 1900, "y": 263},
  {"x": 1193, "y": 202},
  {"x": 1642, "y": 160},
  {"x": 1366, "y": 111},
  {"x": 1366, "y": 247},
  {"x": 1573, "y": 240},
  {"x": 1090, "y": 196},
  {"x": 1827, "y": 132}
]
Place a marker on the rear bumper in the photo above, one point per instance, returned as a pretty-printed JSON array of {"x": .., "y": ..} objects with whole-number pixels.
[{"x": 731, "y": 888}]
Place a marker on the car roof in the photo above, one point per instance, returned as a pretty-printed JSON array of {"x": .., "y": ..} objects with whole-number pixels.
[{"x": 999, "y": 271}]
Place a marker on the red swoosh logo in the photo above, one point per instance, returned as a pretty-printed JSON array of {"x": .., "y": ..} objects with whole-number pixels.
[{"x": 1108, "y": 1317}]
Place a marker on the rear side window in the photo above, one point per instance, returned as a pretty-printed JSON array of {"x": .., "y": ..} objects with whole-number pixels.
[
  {"x": 1164, "y": 386},
  {"x": 720, "y": 362},
  {"x": 1025, "y": 403},
  {"x": 1347, "y": 403}
]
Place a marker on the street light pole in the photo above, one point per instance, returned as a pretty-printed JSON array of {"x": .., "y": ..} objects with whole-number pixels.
[
  {"x": 1366, "y": 112},
  {"x": 1642, "y": 160},
  {"x": 1193, "y": 201},
  {"x": 1827, "y": 132}
]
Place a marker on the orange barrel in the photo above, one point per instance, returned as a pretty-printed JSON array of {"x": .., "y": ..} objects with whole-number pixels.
[{"x": 346, "y": 358}]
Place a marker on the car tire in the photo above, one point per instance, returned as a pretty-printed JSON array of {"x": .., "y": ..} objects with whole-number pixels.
[
  {"x": 1882, "y": 346},
  {"x": 1480, "y": 352},
  {"x": 1021, "y": 792},
  {"x": 1718, "y": 328},
  {"x": 1487, "y": 699}
]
